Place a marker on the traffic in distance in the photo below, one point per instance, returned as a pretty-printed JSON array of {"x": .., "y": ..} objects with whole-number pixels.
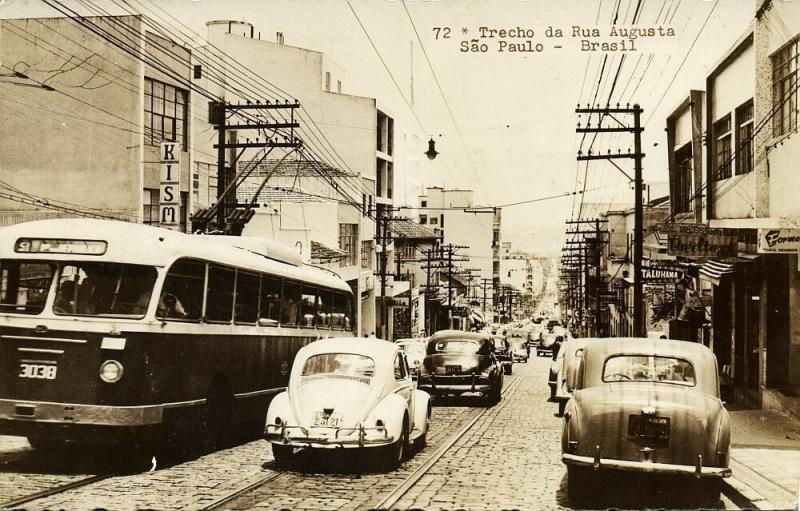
[{"x": 188, "y": 339}]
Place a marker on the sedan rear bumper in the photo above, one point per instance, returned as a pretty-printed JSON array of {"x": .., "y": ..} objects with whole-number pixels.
[{"x": 646, "y": 467}]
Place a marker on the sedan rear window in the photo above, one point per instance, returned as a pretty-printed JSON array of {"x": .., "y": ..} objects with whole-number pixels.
[
  {"x": 649, "y": 368},
  {"x": 457, "y": 346},
  {"x": 347, "y": 365}
]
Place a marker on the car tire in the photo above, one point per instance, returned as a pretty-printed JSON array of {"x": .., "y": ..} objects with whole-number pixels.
[
  {"x": 396, "y": 453},
  {"x": 282, "y": 453},
  {"x": 580, "y": 483},
  {"x": 509, "y": 369},
  {"x": 561, "y": 406},
  {"x": 709, "y": 491}
]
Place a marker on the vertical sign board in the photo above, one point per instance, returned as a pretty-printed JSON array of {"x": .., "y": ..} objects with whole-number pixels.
[{"x": 169, "y": 210}]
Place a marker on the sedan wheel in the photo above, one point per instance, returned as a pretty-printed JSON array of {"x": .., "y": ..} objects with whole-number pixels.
[{"x": 580, "y": 483}]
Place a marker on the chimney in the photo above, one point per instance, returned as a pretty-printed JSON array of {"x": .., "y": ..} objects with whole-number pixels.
[{"x": 279, "y": 37}]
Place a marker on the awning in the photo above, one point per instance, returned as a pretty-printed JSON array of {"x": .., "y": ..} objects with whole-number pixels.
[
  {"x": 714, "y": 270},
  {"x": 322, "y": 254}
]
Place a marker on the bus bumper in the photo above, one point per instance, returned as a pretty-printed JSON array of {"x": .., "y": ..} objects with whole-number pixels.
[{"x": 14, "y": 413}]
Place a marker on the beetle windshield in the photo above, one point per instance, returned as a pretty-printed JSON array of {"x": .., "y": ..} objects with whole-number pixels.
[
  {"x": 463, "y": 346},
  {"x": 649, "y": 368},
  {"x": 340, "y": 365}
]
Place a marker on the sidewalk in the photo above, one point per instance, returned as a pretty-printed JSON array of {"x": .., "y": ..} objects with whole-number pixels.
[{"x": 765, "y": 458}]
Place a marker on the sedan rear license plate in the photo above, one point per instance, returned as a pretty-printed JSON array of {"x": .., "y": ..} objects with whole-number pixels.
[
  {"x": 333, "y": 420},
  {"x": 648, "y": 426},
  {"x": 38, "y": 371},
  {"x": 452, "y": 369}
]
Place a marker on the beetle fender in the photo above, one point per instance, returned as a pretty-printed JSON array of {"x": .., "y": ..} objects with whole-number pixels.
[
  {"x": 280, "y": 407},
  {"x": 390, "y": 410},
  {"x": 421, "y": 404}
]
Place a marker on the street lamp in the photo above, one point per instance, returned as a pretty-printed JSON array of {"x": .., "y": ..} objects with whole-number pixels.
[{"x": 431, "y": 152}]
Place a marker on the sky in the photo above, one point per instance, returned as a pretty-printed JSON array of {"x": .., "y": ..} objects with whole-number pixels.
[{"x": 504, "y": 122}]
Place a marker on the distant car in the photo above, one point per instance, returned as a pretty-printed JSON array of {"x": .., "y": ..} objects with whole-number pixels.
[
  {"x": 459, "y": 363},
  {"x": 646, "y": 405},
  {"x": 568, "y": 360},
  {"x": 519, "y": 349},
  {"x": 415, "y": 352},
  {"x": 502, "y": 350},
  {"x": 347, "y": 392},
  {"x": 545, "y": 346},
  {"x": 552, "y": 377}
]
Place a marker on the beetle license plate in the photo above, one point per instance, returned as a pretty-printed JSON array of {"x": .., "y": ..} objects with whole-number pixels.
[
  {"x": 38, "y": 371},
  {"x": 452, "y": 369},
  {"x": 648, "y": 426},
  {"x": 333, "y": 420}
]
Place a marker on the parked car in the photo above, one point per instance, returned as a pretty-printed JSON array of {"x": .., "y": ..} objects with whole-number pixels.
[
  {"x": 502, "y": 350},
  {"x": 650, "y": 406},
  {"x": 569, "y": 357},
  {"x": 459, "y": 363},
  {"x": 552, "y": 377},
  {"x": 519, "y": 349},
  {"x": 415, "y": 352},
  {"x": 346, "y": 392}
]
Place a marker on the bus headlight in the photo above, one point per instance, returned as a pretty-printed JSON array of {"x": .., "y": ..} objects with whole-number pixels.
[{"x": 111, "y": 371}]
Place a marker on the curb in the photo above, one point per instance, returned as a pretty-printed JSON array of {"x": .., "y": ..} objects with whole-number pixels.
[{"x": 743, "y": 495}]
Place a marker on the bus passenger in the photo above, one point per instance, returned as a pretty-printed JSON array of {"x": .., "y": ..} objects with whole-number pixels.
[{"x": 170, "y": 307}]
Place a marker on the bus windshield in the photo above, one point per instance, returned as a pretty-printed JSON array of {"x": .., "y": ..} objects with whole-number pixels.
[{"x": 103, "y": 289}]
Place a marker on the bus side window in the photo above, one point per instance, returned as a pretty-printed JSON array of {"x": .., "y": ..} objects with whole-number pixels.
[
  {"x": 219, "y": 295},
  {"x": 309, "y": 307},
  {"x": 270, "y": 299},
  {"x": 290, "y": 307},
  {"x": 325, "y": 309},
  {"x": 247, "y": 292},
  {"x": 182, "y": 294},
  {"x": 339, "y": 310}
]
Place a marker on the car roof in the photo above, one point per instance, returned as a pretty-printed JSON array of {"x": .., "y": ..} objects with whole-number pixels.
[
  {"x": 459, "y": 334},
  {"x": 369, "y": 347},
  {"x": 701, "y": 357}
]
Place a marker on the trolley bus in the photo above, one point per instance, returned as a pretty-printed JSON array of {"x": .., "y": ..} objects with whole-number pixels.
[{"x": 112, "y": 331}]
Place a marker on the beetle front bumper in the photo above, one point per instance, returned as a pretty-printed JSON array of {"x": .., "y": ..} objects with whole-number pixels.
[
  {"x": 597, "y": 463},
  {"x": 299, "y": 436}
]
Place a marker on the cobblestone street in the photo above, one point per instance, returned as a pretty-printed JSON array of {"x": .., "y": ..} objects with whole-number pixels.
[{"x": 509, "y": 459}]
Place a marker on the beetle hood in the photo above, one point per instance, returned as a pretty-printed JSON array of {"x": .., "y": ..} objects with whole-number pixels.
[{"x": 604, "y": 419}]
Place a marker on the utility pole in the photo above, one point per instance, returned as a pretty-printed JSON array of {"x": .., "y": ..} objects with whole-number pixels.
[
  {"x": 230, "y": 216},
  {"x": 639, "y": 327}
]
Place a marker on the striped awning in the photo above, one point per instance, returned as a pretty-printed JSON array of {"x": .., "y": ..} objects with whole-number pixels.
[{"x": 714, "y": 270}]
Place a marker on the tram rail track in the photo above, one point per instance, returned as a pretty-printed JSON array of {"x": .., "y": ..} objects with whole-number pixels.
[
  {"x": 403, "y": 488},
  {"x": 399, "y": 491},
  {"x": 49, "y": 492}
]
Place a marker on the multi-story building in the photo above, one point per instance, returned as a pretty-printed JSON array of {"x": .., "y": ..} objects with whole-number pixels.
[
  {"x": 82, "y": 119},
  {"x": 738, "y": 190},
  {"x": 349, "y": 151}
]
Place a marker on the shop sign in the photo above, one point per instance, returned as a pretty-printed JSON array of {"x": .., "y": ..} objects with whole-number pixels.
[
  {"x": 661, "y": 272},
  {"x": 778, "y": 241},
  {"x": 709, "y": 243},
  {"x": 169, "y": 206}
]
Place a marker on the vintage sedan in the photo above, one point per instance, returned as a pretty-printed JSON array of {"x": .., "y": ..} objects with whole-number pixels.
[
  {"x": 415, "y": 352},
  {"x": 519, "y": 349},
  {"x": 459, "y": 363},
  {"x": 569, "y": 357},
  {"x": 349, "y": 392},
  {"x": 545, "y": 346},
  {"x": 502, "y": 350},
  {"x": 650, "y": 406}
]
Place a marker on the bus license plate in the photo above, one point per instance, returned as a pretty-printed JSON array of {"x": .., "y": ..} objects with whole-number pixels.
[
  {"x": 333, "y": 420},
  {"x": 38, "y": 371}
]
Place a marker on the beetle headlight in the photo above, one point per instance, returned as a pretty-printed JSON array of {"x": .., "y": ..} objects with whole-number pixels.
[{"x": 111, "y": 371}]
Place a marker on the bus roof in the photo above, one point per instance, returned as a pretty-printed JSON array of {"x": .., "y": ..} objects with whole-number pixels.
[{"x": 155, "y": 246}]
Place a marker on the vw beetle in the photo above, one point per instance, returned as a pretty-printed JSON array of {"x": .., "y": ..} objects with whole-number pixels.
[
  {"x": 349, "y": 392},
  {"x": 649, "y": 406}
]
